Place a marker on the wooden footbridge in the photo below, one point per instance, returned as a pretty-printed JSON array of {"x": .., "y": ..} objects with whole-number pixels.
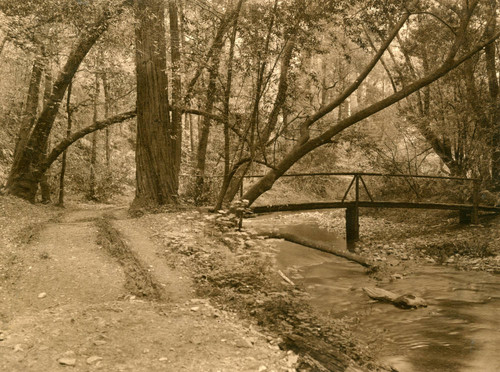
[{"x": 468, "y": 213}]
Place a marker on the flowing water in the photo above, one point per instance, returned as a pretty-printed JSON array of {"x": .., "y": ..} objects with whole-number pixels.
[{"x": 459, "y": 331}]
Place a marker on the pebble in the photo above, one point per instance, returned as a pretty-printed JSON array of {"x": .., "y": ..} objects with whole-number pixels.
[
  {"x": 262, "y": 368},
  {"x": 244, "y": 343},
  {"x": 99, "y": 342},
  {"x": 93, "y": 359},
  {"x": 18, "y": 348},
  {"x": 67, "y": 361},
  {"x": 195, "y": 308},
  {"x": 42, "y": 295},
  {"x": 163, "y": 359}
]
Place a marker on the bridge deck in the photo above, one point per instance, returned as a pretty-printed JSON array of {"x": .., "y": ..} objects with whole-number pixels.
[{"x": 368, "y": 204}]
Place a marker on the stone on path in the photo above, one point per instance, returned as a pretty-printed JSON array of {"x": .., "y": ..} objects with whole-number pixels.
[
  {"x": 67, "y": 361},
  {"x": 93, "y": 359}
]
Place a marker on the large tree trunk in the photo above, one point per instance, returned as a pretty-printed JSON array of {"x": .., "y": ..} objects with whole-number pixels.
[
  {"x": 156, "y": 168},
  {"x": 25, "y": 173}
]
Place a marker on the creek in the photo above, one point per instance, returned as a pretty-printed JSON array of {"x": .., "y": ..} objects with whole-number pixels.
[{"x": 459, "y": 331}]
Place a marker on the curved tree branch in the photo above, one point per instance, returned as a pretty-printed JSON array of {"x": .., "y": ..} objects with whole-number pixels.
[{"x": 65, "y": 143}]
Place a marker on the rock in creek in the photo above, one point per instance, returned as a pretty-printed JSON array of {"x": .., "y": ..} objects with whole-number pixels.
[{"x": 406, "y": 301}]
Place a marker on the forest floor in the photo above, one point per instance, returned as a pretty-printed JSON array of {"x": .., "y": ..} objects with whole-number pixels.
[{"x": 89, "y": 288}]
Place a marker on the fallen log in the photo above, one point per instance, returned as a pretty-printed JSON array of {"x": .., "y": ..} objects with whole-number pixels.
[
  {"x": 407, "y": 301},
  {"x": 319, "y": 245}
]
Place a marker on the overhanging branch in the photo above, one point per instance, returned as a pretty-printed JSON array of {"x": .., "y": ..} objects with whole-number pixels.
[{"x": 65, "y": 143}]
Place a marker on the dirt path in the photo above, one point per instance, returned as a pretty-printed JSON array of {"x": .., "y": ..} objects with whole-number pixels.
[{"x": 65, "y": 306}]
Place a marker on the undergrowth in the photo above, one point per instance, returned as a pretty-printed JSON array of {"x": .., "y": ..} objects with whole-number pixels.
[{"x": 248, "y": 283}]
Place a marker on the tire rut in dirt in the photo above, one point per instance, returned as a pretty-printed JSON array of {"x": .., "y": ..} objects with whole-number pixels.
[{"x": 139, "y": 281}]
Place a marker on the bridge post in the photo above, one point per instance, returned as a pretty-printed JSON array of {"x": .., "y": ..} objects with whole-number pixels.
[
  {"x": 352, "y": 216},
  {"x": 352, "y": 223},
  {"x": 464, "y": 217},
  {"x": 475, "y": 202}
]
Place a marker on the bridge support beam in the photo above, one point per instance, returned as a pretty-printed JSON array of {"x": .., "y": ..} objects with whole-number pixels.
[
  {"x": 352, "y": 224},
  {"x": 465, "y": 217}
]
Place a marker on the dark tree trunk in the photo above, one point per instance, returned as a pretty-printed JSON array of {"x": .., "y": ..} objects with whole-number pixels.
[
  {"x": 107, "y": 106},
  {"x": 157, "y": 173},
  {"x": 175, "y": 58},
  {"x": 93, "y": 152},
  {"x": 26, "y": 172},
  {"x": 64, "y": 157},
  {"x": 201, "y": 154},
  {"x": 30, "y": 110},
  {"x": 44, "y": 180}
]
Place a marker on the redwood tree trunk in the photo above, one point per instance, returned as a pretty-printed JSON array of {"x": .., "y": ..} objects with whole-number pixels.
[{"x": 156, "y": 169}]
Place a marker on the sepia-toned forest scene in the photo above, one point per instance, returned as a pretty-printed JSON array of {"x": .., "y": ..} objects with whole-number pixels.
[{"x": 250, "y": 185}]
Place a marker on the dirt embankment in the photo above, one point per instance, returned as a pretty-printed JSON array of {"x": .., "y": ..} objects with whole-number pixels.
[{"x": 86, "y": 294}]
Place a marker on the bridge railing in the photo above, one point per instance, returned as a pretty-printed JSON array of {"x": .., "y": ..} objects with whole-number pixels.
[{"x": 358, "y": 184}]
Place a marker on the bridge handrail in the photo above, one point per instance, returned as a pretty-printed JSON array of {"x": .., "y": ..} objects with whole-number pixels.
[{"x": 366, "y": 174}]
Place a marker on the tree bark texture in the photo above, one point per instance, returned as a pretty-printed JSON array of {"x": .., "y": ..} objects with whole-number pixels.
[{"x": 156, "y": 169}]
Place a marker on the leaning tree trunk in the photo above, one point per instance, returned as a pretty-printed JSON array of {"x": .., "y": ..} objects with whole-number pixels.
[
  {"x": 26, "y": 172},
  {"x": 156, "y": 169},
  {"x": 306, "y": 144}
]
